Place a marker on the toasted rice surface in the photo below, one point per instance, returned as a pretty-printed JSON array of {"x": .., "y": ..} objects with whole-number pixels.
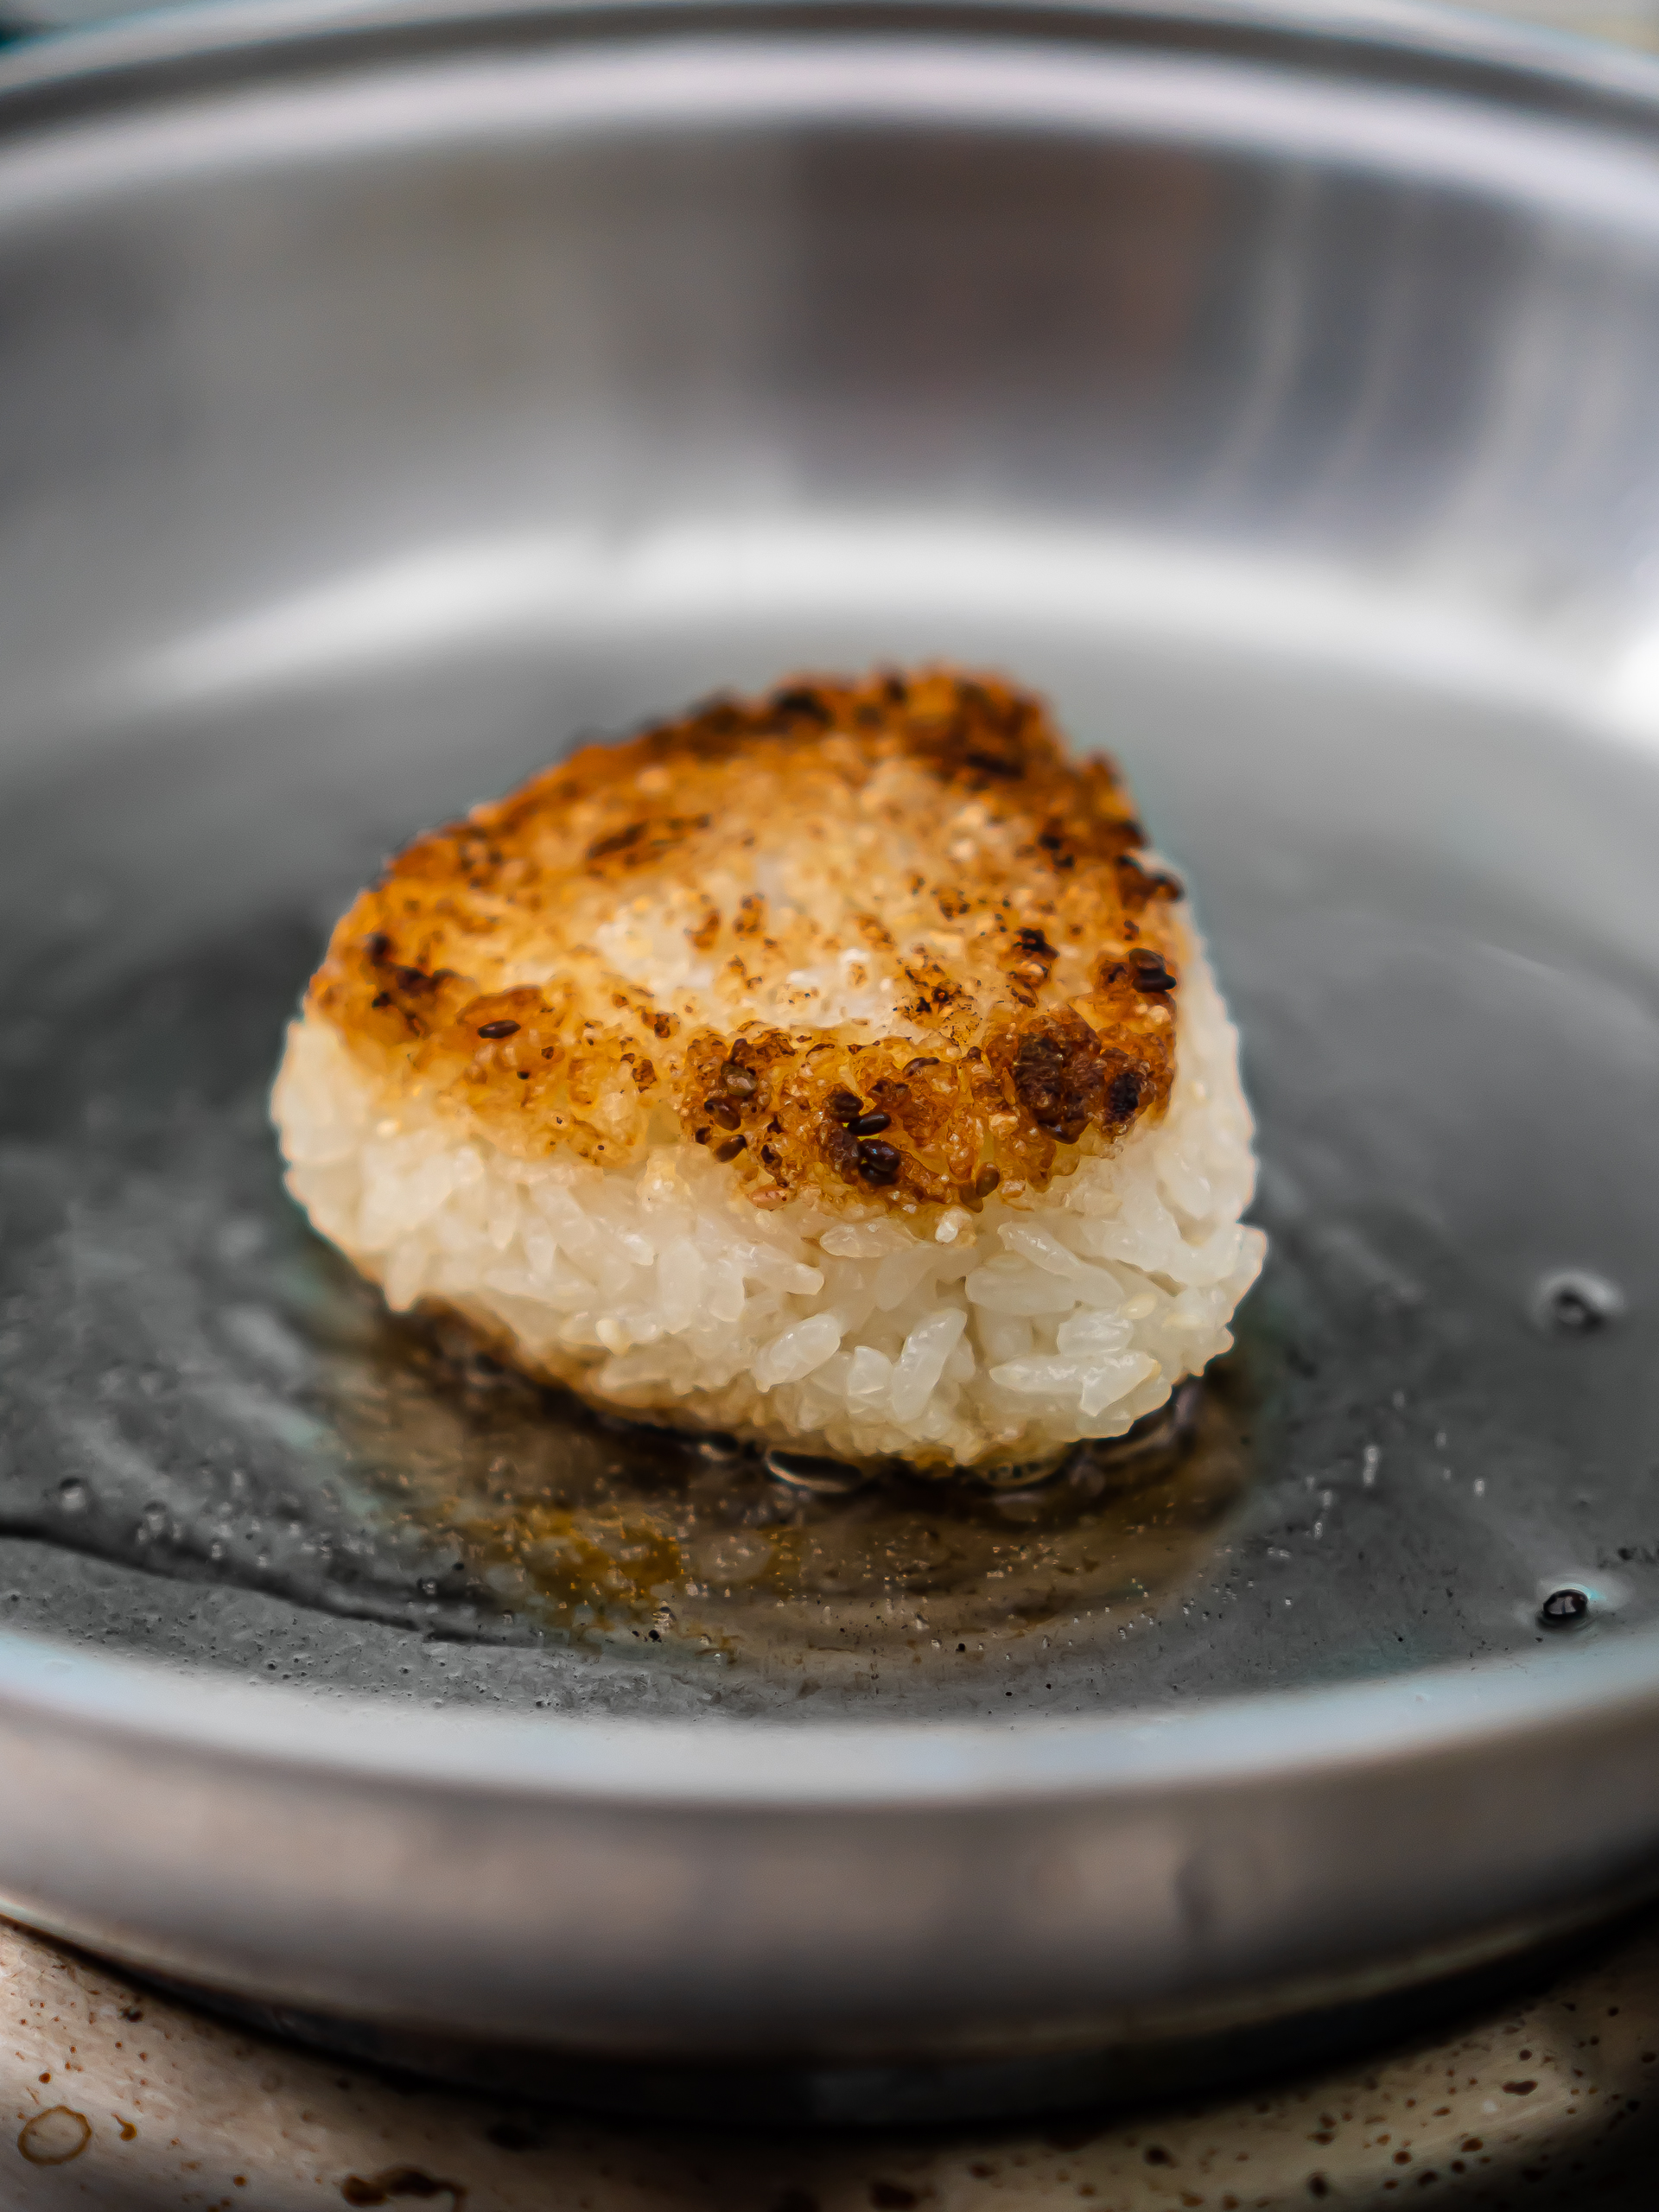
[{"x": 870, "y": 940}]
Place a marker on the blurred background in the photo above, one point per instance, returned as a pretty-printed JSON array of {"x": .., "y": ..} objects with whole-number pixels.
[{"x": 1635, "y": 20}]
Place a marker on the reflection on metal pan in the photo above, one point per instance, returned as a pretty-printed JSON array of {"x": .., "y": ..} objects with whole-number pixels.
[{"x": 1316, "y": 474}]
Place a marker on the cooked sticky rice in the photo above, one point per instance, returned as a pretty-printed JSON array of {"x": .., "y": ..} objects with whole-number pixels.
[{"x": 837, "y": 1070}]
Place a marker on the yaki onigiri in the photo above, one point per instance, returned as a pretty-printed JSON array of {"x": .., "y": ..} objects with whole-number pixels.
[{"x": 836, "y": 1070}]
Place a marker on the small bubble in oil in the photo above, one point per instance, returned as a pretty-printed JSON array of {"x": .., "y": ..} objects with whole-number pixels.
[
  {"x": 1564, "y": 1608},
  {"x": 1574, "y": 1302},
  {"x": 72, "y": 1496}
]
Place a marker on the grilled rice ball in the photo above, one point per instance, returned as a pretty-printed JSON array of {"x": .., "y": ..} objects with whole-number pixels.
[{"x": 836, "y": 1069}]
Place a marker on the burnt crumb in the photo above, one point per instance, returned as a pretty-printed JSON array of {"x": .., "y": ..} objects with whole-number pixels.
[
  {"x": 401, "y": 2181},
  {"x": 619, "y": 841},
  {"x": 800, "y": 700},
  {"x": 1123, "y": 1096},
  {"x": 879, "y": 1162},
  {"x": 995, "y": 764},
  {"x": 1139, "y": 886},
  {"x": 498, "y": 1029},
  {"x": 840, "y": 1147},
  {"x": 1067, "y": 1081},
  {"x": 404, "y": 978}
]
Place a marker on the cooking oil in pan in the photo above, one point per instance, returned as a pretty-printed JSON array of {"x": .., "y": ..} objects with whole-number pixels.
[{"x": 1444, "y": 1404}]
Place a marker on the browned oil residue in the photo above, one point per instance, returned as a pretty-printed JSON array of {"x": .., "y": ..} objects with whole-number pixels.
[
  {"x": 55, "y": 2136},
  {"x": 400, "y": 2181},
  {"x": 629, "y": 1538}
]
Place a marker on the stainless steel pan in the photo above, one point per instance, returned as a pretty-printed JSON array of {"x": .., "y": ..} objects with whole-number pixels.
[{"x": 388, "y": 394}]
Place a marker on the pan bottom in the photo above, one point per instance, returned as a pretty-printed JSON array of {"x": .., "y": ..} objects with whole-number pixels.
[
  {"x": 1146, "y": 2060},
  {"x": 1451, "y": 1048}
]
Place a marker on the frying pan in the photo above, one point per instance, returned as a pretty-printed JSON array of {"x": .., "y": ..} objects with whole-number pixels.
[{"x": 391, "y": 393}]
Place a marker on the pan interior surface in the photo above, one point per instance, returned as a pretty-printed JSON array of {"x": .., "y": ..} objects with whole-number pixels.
[{"x": 444, "y": 432}]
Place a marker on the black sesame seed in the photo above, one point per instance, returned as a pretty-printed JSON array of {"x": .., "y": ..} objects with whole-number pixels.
[
  {"x": 498, "y": 1028},
  {"x": 730, "y": 1149},
  {"x": 1150, "y": 971},
  {"x": 870, "y": 1125},
  {"x": 879, "y": 1162},
  {"x": 723, "y": 1111}
]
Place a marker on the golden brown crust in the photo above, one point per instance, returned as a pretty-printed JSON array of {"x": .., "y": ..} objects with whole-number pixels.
[{"x": 879, "y": 940}]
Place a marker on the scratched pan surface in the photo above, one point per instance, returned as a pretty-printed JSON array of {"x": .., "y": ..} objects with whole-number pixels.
[{"x": 385, "y": 403}]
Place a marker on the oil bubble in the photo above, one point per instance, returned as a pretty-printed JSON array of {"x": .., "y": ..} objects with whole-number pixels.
[
  {"x": 1564, "y": 1609},
  {"x": 1573, "y": 1302}
]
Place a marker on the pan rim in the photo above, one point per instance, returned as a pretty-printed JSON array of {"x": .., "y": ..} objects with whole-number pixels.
[
  {"x": 1254, "y": 1738},
  {"x": 770, "y": 1764},
  {"x": 1425, "y": 39}
]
